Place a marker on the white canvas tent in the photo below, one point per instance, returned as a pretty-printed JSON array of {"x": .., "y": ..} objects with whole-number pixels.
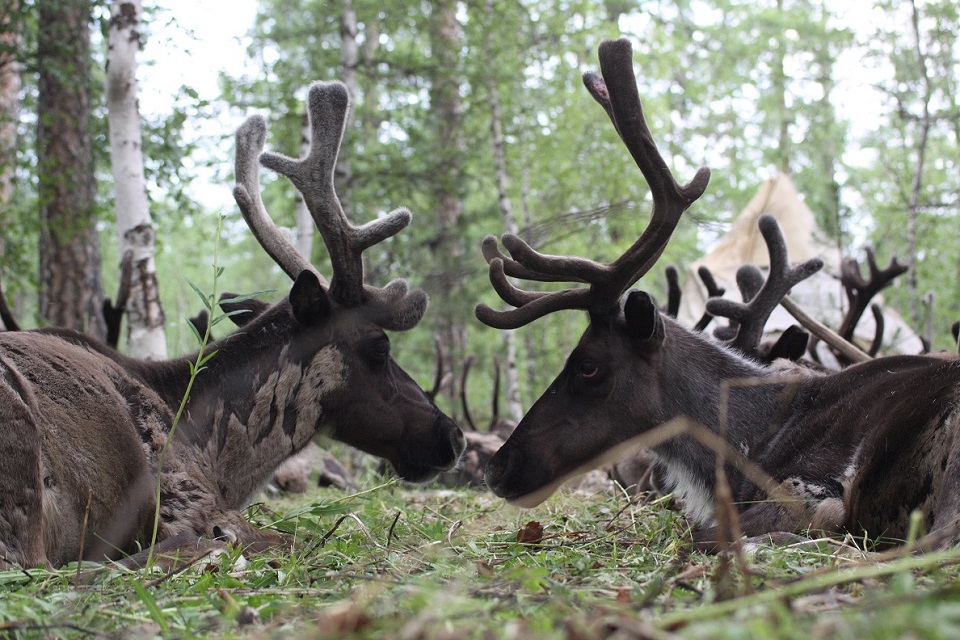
[{"x": 821, "y": 295}]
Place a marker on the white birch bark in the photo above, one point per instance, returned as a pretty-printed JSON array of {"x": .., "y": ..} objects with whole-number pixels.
[
  {"x": 145, "y": 318},
  {"x": 916, "y": 182},
  {"x": 511, "y": 379},
  {"x": 305, "y": 224}
]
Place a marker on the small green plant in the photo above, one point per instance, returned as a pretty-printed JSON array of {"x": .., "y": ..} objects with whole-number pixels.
[{"x": 204, "y": 355}]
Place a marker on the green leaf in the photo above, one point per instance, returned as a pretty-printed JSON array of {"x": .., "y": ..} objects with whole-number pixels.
[
  {"x": 205, "y": 359},
  {"x": 151, "y": 605},
  {"x": 193, "y": 329},
  {"x": 204, "y": 298}
]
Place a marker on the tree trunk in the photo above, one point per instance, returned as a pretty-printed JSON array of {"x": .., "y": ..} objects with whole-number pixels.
[
  {"x": 9, "y": 100},
  {"x": 447, "y": 176},
  {"x": 512, "y": 383},
  {"x": 145, "y": 319},
  {"x": 350, "y": 59},
  {"x": 780, "y": 88},
  {"x": 305, "y": 224},
  {"x": 9, "y": 110},
  {"x": 916, "y": 183},
  {"x": 70, "y": 290}
]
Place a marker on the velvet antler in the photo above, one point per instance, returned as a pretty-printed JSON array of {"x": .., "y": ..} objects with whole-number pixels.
[
  {"x": 761, "y": 295},
  {"x": 673, "y": 291},
  {"x": 713, "y": 291},
  {"x": 861, "y": 290},
  {"x": 617, "y": 93},
  {"x": 393, "y": 306}
]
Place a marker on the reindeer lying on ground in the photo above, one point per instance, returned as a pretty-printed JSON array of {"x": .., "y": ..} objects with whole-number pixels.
[
  {"x": 82, "y": 428},
  {"x": 857, "y": 451}
]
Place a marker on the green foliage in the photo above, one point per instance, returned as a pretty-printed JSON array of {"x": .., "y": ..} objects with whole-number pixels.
[
  {"x": 912, "y": 170},
  {"x": 393, "y": 561}
]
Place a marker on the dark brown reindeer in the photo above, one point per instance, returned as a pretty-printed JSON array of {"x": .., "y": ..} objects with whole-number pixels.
[
  {"x": 82, "y": 427},
  {"x": 858, "y": 450}
]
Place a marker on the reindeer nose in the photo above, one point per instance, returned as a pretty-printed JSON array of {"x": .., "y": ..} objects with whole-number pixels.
[
  {"x": 497, "y": 470},
  {"x": 452, "y": 438}
]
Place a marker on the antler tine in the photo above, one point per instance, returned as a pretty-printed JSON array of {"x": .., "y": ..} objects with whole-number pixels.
[
  {"x": 752, "y": 316},
  {"x": 713, "y": 291},
  {"x": 395, "y": 307},
  {"x": 491, "y": 249},
  {"x": 617, "y": 92},
  {"x": 877, "y": 330},
  {"x": 530, "y": 305},
  {"x": 861, "y": 290},
  {"x": 250, "y": 139},
  {"x": 327, "y": 106},
  {"x": 673, "y": 291},
  {"x": 749, "y": 280}
]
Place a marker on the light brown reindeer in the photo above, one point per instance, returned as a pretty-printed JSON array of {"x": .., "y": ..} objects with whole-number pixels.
[
  {"x": 859, "y": 450},
  {"x": 82, "y": 427}
]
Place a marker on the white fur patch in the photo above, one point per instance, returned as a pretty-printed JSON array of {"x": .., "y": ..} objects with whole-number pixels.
[
  {"x": 325, "y": 373},
  {"x": 695, "y": 499}
]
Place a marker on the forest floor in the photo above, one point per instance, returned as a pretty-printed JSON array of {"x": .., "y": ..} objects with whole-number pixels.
[{"x": 394, "y": 561}]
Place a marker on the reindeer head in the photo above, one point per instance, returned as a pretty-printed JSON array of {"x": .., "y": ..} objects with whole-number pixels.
[
  {"x": 582, "y": 416},
  {"x": 634, "y": 368},
  {"x": 339, "y": 337}
]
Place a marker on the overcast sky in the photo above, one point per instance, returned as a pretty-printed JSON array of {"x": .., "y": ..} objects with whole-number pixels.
[{"x": 172, "y": 58}]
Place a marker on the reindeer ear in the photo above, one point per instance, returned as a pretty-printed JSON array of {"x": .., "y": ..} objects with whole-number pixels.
[
  {"x": 242, "y": 312},
  {"x": 644, "y": 323},
  {"x": 791, "y": 345},
  {"x": 309, "y": 300}
]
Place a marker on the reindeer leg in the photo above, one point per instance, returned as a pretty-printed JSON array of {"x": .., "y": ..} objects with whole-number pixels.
[{"x": 801, "y": 505}]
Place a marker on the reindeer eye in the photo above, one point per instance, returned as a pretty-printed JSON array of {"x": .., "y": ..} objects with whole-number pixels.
[
  {"x": 381, "y": 347},
  {"x": 589, "y": 368}
]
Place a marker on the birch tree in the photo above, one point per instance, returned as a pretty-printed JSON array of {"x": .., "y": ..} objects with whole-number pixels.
[
  {"x": 145, "y": 317},
  {"x": 505, "y": 204}
]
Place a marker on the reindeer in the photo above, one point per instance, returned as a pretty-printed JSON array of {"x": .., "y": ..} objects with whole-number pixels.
[
  {"x": 83, "y": 428},
  {"x": 857, "y": 450}
]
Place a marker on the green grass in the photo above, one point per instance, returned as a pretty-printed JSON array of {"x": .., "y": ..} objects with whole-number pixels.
[{"x": 394, "y": 561}]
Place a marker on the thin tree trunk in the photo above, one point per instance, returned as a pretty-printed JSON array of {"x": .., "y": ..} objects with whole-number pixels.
[
  {"x": 916, "y": 183},
  {"x": 511, "y": 382},
  {"x": 9, "y": 100},
  {"x": 780, "y": 87},
  {"x": 305, "y": 224},
  {"x": 350, "y": 59},
  {"x": 447, "y": 176},
  {"x": 71, "y": 294},
  {"x": 9, "y": 110},
  {"x": 145, "y": 318}
]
